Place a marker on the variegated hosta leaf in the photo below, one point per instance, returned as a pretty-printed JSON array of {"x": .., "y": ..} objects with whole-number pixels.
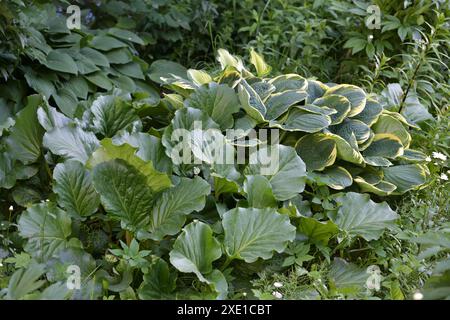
[
  {"x": 303, "y": 121},
  {"x": 289, "y": 82},
  {"x": 279, "y": 103},
  {"x": 384, "y": 146},
  {"x": 317, "y": 151},
  {"x": 345, "y": 150},
  {"x": 337, "y": 102},
  {"x": 315, "y": 89},
  {"x": 255, "y": 233},
  {"x": 359, "y": 129},
  {"x": 413, "y": 155},
  {"x": 389, "y": 124},
  {"x": 284, "y": 169},
  {"x": 354, "y": 94},
  {"x": 335, "y": 177},
  {"x": 371, "y": 112},
  {"x": 199, "y": 77},
  {"x": 262, "y": 68},
  {"x": 251, "y": 102},
  {"x": 406, "y": 177},
  {"x": 220, "y": 102},
  {"x": 263, "y": 89},
  {"x": 380, "y": 188},
  {"x": 360, "y": 216}
]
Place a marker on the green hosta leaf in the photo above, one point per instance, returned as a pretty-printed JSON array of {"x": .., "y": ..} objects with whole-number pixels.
[
  {"x": 71, "y": 142},
  {"x": 124, "y": 193},
  {"x": 156, "y": 180},
  {"x": 199, "y": 77},
  {"x": 263, "y": 89},
  {"x": 98, "y": 58},
  {"x": 165, "y": 69},
  {"x": 73, "y": 185},
  {"x": 284, "y": 169},
  {"x": 405, "y": 177},
  {"x": 40, "y": 84},
  {"x": 169, "y": 211},
  {"x": 359, "y": 129},
  {"x": 337, "y": 102},
  {"x": 377, "y": 161},
  {"x": 384, "y": 145},
  {"x": 149, "y": 147},
  {"x": 67, "y": 101},
  {"x": 251, "y": 102},
  {"x": 317, "y": 231},
  {"x": 25, "y": 139},
  {"x": 106, "y": 43},
  {"x": 345, "y": 150},
  {"x": 279, "y": 103},
  {"x": 317, "y": 150},
  {"x": 300, "y": 120},
  {"x": 6, "y": 119},
  {"x": 381, "y": 188},
  {"x": 256, "y": 233},
  {"x": 85, "y": 65},
  {"x": 227, "y": 60},
  {"x": 79, "y": 86},
  {"x": 131, "y": 69},
  {"x": 7, "y": 172},
  {"x": 100, "y": 80},
  {"x": 159, "y": 282},
  {"x": 195, "y": 250},
  {"x": 50, "y": 118},
  {"x": 347, "y": 277},
  {"x": 289, "y": 82},
  {"x": 46, "y": 227},
  {"x": 126, "y": 35},
  {"x": 315, "y": 89},
  {"x": 389, "y": 124},
  {"x": 413, "y": 155},
  {"x": 218, "y": 101},
  {"x": 354, "y": 94},
  {"x": 335, "y": 177},
  {"x": 112, "y": 114},
  {"x": 259, "y": 192},
  {"x": 119, "y": 56},
  {"x": 59, "y": 61},
  {"x": 360, "y": 216},
  {"x": 371, "y": 112},
  {"x": 262, "y": 68}
]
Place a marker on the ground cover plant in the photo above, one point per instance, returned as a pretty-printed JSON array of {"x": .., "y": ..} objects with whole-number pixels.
[{"x": 132, "y": 172}]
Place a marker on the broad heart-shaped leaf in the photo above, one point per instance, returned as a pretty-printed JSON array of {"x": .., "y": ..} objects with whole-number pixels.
[
  {"x": 371, "y": 112},
  {"x": 219, "y": 101},
  {"x": 360, "y": 216},
  {"x": 354, "y": 94},
  {"x": 149, "y": 148},
  {"x": 50, "y": 118},
  {"x": 279, "y": 103},
  {"x": 106, "y": 43},
  {"x": 71, "y": 142},
  {"x": 126, "y": 35},
  {"x": 7, "y": 171},
  {"x": 66, "y": 101},
  {"x": 159, "y": 282},
  {"x": 284, "y": 169},
  {"x": 156, "y": 180},
  {"x": 289, "y": 82},
  {"x": 98, "y": 58},
  {"x": 59, "y": 61},
  {"x": 73, "y": 185},
  {"x": 303, "y": 121},
  {"x": 347, "y": 277},
  {"x": 100, "y": 80},
  {"x": 345, "y": 150},
  {"x": 317, "y": 231},
  {"x": 315, "y": 89},
  {"x": 165, "y": 69},
  {"x": 259, "y": 192},
  {"x": 391, "y": 125},
  {"x": 337, "y": 102},
  {"x": 317, "y": 151},
  {"x": 25, "y": 139},
  {"x": 359, "y": 129},
  {"x": 384, "y": 145},
  {"x": 112, "y": 114},
  {"x": 335, "y": 177},
  {"x": 195, "y": 250},
  {"x": 252, "y": 233},
  {"x": 406, "y": 177},
  {"x": 124, "y": 193},
  {"x": 46, "y": 227},
  {"x": 170, "y": 209}
]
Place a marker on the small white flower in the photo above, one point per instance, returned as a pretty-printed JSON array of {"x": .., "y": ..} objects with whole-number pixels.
[
  {"x": 277, "y": 284},
  {"x": 418, "y": 296},
  {"x": 11, "y": 208},
  {"x": 196, "y": 170},
  {"x": 244, "y": 294},
  {"x": 444, "y": 177},
  {"x": 428, "y": 159},
  {"x": 440, "y": 156},
  {"x": 277, "y": 294},
  {"x": 1, "y": 264}
]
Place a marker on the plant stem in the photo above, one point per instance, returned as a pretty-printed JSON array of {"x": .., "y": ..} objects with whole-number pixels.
[
  {"x": 226, "y": 263},
  {"x": 128, "y": 237}
]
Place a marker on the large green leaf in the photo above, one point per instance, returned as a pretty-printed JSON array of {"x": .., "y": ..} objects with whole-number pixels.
[
  {"x": 156, "y": 180},
  {"x": 159, "y": 282},
  {"x": 106, "y": 43},
  {"x": 256, "y": 233},
  {"x": 289, "y": 82},
  {"x": 46, "y": 227},
  {"x": 251, "y": 102},
  {"x": 71, "y": 142},
  {"x": 218, "y": 101},
  {"x": 317, "y": 151},
  {"x": 345, "y": 150},
  {"x": 304, "y": 121},
  {"x": 124, "y": 193},
  {"x": 354, "y": 94},
  {"x": 405, "y": 177},
  {"x": 337, "y": 102},
  {"x": 25, "y": 139},
  {"x": 317, "y": 231},
  {"x": 165, "y": 69},
  {"x": 335, "y": 177},
  {"x": 25, "y": 281},
  {"x": 59, "y": 61},
  {"x": 360, "y": 216},
  {"x": 195, "y": 250},
  {"x": 112, "y": 114},
  {"x": 371, "y": 112},
  {"x": 259, "y": 192},
  {"x": 359, "y": 129},
  {"x": 73, "y": 185},
  {"x": 279, "y": 103},
  {"x": 347, "y": 277},
  {"x": 7, "y": 171},
  {"x": 169, "y": 211},
  {"x": 284, "y": 169},
  {"x": 384, "y": 145},
  {"x": 389, "y": 124}
]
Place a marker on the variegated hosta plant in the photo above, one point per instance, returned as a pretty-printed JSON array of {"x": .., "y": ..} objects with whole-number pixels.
[{"x": 343, "y": 135}]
